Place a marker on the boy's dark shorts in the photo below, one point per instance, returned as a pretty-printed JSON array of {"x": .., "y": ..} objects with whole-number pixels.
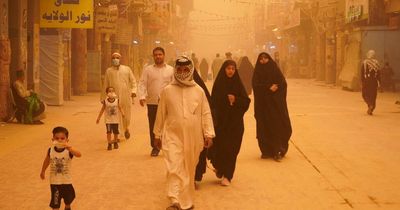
[
  {"x": 61, "y": 191},
  {"x": 112, "y": 128}
]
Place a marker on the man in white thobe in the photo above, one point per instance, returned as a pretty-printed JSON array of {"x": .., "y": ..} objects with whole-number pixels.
[
  {"x": 183, "y": 127},
  {"x": 121, "y": 78}
]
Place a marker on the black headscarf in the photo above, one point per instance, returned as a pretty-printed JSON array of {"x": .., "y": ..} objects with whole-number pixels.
[
  {"x": 224, "y": 85},
  {"x": 200, "y": 82},
  {"x": 268, "y": 74},
  {"x": 270, "y": 108},
  {"x": 246, "y": 70}
]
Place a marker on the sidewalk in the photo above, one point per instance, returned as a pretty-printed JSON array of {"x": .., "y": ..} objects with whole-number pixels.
[{"x": 339, "y": 158}]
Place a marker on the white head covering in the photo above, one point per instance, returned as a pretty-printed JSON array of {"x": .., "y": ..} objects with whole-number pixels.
[
  {"x": 371, "y": 64},
  {"x": 185, "y": 79},
  {"x": 116, "y": 54},
  {"x": 371, "y": 54}
]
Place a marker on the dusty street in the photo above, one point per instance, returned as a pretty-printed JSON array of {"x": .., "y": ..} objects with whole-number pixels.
[{"x": 339, "y": 158}]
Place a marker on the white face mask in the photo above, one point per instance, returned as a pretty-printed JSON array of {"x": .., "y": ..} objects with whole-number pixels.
[
  {"x": 111, "y": 95},
  {"x": 115, "y": 62},
  {"x": 59, "y": 145}
]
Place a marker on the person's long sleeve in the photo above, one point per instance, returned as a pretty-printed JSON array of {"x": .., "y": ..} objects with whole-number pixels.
[
  {"x": 206, "y": 119},
  {"x": 142, "y": 87},
  {"x": 160, "y": 117},
  {"x": 132, "y": 82}
]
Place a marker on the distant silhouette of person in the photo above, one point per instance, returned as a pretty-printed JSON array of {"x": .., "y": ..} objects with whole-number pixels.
[
  {"x": 228, "y": 56},
  {"x": 204, "y": 69},
  {"x": 195, "y": 61},
  {"x": 216, "y": 65},
  {"x": 245, "y": 71}
]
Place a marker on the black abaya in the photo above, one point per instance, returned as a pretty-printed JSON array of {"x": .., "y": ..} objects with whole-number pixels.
[
  {"x": 202, "y": 164},
  {"x": 229, "y": 126},
  {"x": 370, "y": 80},
  {"x": 246, "y": 73},
  {"x": 270, "y": 109}
]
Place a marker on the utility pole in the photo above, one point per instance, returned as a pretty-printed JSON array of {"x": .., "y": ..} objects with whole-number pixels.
[
  {"x": 79, "y": 61},
  {"x": 18, "y": 36},
  {"x": 5, "y": 59}
]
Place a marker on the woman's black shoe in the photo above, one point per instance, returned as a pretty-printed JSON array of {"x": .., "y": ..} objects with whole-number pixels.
[{"x": 278, "y": 157}]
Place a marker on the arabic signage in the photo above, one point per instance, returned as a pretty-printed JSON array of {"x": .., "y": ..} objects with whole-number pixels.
[
  {"x": 356, "y": 10},
  {"x": 124, "y": 32},
  {"x": 66, "y": 14},
  {"x": 106, "y": 19}
]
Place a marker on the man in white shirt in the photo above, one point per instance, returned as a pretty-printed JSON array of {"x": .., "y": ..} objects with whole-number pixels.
[{"x": 154, "y": 78}]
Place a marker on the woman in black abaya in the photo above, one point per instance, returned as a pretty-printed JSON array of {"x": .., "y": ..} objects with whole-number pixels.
[
  {"x": 202, "y": 164},
  {"x": 270, "y": 108},
  {"x": 230, "y": 102},
  {"x": 204, "y": 69},
  {"x": 246, "y": 73}
]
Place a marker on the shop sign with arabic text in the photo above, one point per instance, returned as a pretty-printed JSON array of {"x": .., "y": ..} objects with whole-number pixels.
[
  {"x": 356, "y": 10},
  {"x": 66, "y": 14}
]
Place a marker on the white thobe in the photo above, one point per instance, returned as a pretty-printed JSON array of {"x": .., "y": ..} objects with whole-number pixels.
[
  {"x": 183, "y": 120},
  {"x": 124, "y": 84}
]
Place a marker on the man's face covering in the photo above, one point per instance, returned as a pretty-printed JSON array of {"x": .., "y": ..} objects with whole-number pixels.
[{"x": 184, "y": 70}]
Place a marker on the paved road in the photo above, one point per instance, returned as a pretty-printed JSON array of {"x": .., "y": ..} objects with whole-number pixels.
[{"x": 339, "y": 158}]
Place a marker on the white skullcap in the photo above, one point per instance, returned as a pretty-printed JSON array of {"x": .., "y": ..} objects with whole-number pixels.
[{"x": 117, "y": 54}]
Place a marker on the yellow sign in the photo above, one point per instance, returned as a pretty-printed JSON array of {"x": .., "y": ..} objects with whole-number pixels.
[{"x": 66, "y": 14}]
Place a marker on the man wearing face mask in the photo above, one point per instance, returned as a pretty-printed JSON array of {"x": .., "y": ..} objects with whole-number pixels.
[
  {"x": 183, "y": 127},
  {"x": 121, "y": 78},
  {"x": 154, "y": 78}
]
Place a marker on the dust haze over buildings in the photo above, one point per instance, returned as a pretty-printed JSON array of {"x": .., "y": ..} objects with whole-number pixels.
[{"x": 218, "y": 26}]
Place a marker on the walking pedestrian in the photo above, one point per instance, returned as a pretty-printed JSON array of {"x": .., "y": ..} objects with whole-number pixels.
[
  {"x": 216, "y": 65},
  {"x": 230, "y": 102},
  {"x": 195, "y": 61},
  {"x": 245, "y": 71},
  {"x": 59, "y": 157},
  {"x": 154, "y": 78},
  {"x": 370, "y": 80},
  {"x": 228, "y": 56},
  {"x": 112, "y": 114},
  {"x": 183, "y": 127},
  {"x": 270, "y": 108},
  {"x": 204, "y": 69},
  {"x": 202, "y": 163},
  {"x": 121, "y": 78}
]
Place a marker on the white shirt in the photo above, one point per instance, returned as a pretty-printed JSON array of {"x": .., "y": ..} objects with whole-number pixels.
[
  {"x": 60, "y": 167},
  {"x": 111, "y": 112},
  {"x": 153, "y": 81}
]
